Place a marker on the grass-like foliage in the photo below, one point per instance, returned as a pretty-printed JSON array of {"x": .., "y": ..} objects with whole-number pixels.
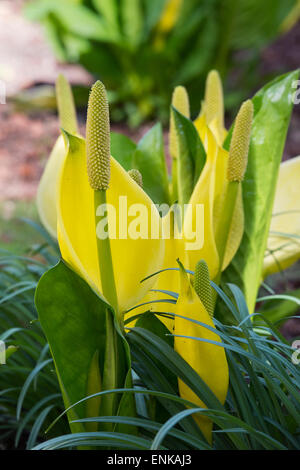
[
  {"x": 262, "y": 409},
  {"x": 29, "y": 391}
]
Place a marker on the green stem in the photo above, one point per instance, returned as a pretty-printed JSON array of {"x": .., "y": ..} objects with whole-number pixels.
[
  {"x": 110, "y": 372},
  {"x": 105, "y": 259}
]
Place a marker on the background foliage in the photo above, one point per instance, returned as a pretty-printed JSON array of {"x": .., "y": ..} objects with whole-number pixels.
[{"x": 141, "y": 50}]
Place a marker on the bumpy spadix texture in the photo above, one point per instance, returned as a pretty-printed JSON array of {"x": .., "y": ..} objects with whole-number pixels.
[
  {"x": 98, "y": 138},
  {"x": 136, "y": 176},
  {"x": 65, "y": 105},
  {"x": 180, "y": 101},
  {"x": 202, "y": 286},
  {"x": 239, "y": 146},
  {"x": 214, "y": 102}
]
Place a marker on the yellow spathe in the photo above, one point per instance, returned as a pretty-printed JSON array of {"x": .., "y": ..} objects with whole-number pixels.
[
  {"x": 204, "y": 194},
  {"x": 48, "y": 187},
  {"x": 208, "y": 360},
  {"x": 133, "y": 259},
  {"x": 285, "y": 244},
  {"x": 218, "y": 165}
]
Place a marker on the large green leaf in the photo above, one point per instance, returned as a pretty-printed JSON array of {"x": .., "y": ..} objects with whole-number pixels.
[
  {"x": 76, "y": 18},
  {"x": 73, "y": 318},
  {"x": 191, "y": 158},
  {"x": 252, "y": 23},
  {"x": 152, "y": 323},
  {"x": 132, "y": 21},
  {"x": 272, "y": 110},
  {"x": 149, "y": 159},
  {"x": 109, "y": 10},
  {"x": 122, "y": 149}
]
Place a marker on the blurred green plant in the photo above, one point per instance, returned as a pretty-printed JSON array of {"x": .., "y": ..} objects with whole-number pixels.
[{"x": 142, "y": 49}]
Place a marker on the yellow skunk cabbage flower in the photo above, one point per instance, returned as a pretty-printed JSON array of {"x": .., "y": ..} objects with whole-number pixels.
[
  {"x": 46, "y": 201},
  {"x": 217, "y": 177},
  {"x": 203, "y": 193},
  {"x": 219, "y": 167},
  {"x": 218, "y": 191},
  {"x": 212, "y": 117},
  {"x": 132, "y": 259},
  {"x": 236, "y": 168},
  {"x": 208, "y": 360},
  {"x": 283, "y": 247},
  {"x": 47, "y": 189}
]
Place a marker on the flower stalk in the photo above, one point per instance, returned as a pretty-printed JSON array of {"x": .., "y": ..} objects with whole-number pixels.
[{"x": 98, "y": 165}]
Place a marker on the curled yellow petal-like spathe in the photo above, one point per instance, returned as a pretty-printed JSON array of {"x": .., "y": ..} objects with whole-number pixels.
[
  {"x": 133, "y": 259},
  {"x": 208, "y": 360},
  {"x": 283, "y": 246},
  {"x": 48, "y": 187},
  {"x": 167, "y": 280},
  {"x": 66, "y": 105},
  {"x": 198, "y": 227}
]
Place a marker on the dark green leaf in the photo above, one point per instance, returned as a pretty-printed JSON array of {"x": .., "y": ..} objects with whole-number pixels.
[
  {"x": 272, "y": 110},
  {"x": 191, "y": 158},
  {"x": 122, "y": 149},
  {"x": 150, "y": 160},
  {"x": 73, "y": 318}
]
